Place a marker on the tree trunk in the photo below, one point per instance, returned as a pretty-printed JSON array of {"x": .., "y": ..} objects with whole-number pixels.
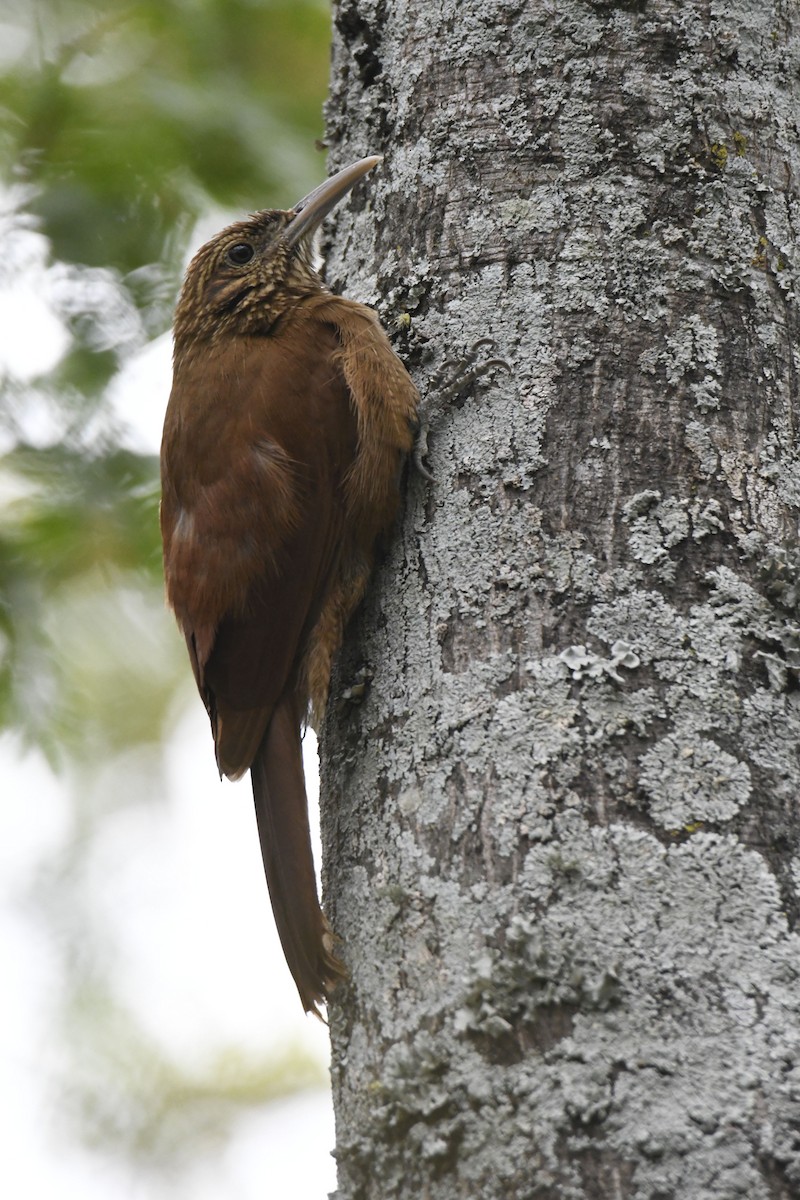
[{"x": 561, "y": 828}]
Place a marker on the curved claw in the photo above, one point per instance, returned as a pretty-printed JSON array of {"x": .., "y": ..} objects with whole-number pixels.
[
  {"x": 470, "y": 361},
  {"x": 421, "y": 469},
  {"x": 420, "y": 453}
]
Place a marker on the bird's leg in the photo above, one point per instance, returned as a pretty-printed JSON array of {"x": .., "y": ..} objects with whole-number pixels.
[
  {"x": 463, "y": 372},
  {"x": 420, "y": 449}
]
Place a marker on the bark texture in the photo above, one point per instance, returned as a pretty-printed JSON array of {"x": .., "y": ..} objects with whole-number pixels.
[{"x": 562, "y": 828}]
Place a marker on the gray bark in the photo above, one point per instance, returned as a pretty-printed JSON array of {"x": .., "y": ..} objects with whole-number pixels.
[{"x": 562, "y": 828}]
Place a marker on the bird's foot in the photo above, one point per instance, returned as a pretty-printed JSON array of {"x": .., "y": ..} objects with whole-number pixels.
[
  {"x": 467, "y": 370},
  {"x": 420, "y": 451},
  {"x": 453, "y": 379}
]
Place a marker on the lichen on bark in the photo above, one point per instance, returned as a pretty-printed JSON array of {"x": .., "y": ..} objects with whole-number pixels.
[{"x": 561, "y": 830}]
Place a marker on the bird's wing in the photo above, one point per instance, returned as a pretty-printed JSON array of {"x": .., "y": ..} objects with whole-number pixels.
[{"x": 258, "y": 437}]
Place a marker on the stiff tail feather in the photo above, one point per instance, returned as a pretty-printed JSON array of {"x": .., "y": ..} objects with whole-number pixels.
[{"x": 279, "y": 792}]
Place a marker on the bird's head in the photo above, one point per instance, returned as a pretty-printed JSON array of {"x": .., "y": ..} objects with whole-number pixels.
[{"x": 241, "y": 280}]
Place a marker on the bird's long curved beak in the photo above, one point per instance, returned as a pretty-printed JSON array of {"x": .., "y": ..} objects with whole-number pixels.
[{"x": 313, "y": 208}]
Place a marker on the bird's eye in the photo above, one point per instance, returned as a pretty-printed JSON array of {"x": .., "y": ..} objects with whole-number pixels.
[{"x": 240, "y": 254}]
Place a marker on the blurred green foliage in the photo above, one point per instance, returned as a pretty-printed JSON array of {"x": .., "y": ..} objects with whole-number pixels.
[
  {"x": 127, "y": 117},
  {"x": 78, "y": 557},
  {"x": 126, "y": 1096},
  {"x": 123, "y": 124}
]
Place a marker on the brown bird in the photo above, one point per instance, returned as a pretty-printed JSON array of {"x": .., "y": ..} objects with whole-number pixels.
[{"x": 287, "y": 428}]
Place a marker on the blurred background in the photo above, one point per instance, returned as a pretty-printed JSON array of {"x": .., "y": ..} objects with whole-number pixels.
[{"x": 151, "y": 1038}]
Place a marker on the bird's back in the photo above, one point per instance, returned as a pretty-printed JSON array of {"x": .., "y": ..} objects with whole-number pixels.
[{"x": 253, "y": 533}]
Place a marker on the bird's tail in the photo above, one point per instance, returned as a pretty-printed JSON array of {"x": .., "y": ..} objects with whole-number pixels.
[{"x": 282, "y": 814}]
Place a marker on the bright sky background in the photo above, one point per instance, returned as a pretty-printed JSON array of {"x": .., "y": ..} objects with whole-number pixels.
[{"x": 182, "y": 887}]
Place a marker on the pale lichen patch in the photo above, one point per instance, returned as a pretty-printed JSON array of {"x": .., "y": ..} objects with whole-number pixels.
[{"x": 689, "y": 780}]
